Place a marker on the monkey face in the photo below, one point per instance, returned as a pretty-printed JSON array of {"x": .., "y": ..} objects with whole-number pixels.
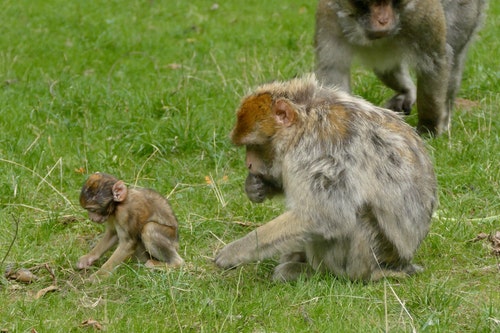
[
  {"x": 259, "y": 159},
  {"x": 97, "y": 216},
  {"x": 97, "y": 197},
  {"x": 98, "y": 207}
]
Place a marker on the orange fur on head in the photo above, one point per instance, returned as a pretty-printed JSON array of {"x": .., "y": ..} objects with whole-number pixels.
[
  {"x": 96, "y": 183},
  {"x": 255, "y": 121}
]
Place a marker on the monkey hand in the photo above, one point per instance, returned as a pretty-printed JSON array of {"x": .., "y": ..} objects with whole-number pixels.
[
  {"x": 86, "y": 261},
  {"x": 255, "y": 188},
  {"x": 232, "y": 255},
  {"x": 258, "y": 189},
  {"x": 402, "y": 102}
]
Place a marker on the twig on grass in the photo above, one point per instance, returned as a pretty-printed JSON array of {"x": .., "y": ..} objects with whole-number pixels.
[
  {"x": 146, "y": 161},
  {"x": 492, "y": 218},
  {"x": 16, "y": 223}
]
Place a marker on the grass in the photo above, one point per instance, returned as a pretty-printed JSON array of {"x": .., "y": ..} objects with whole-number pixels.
[{"x": 146, "y": 90}]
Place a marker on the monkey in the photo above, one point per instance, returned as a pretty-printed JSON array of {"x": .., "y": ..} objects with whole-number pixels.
[
  {"x": 140, "y": 220},
  {"x": 393, "y": 36},
  {"x": 358, "y": 183}
]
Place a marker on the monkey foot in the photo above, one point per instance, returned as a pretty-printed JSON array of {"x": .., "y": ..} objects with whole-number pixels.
[{"x": 156, "y": 264}]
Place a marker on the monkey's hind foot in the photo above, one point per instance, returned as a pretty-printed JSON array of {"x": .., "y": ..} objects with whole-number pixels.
[
  {"x": 156, "y": 264},
  {"x": 398, "y": 274},
  {"x": 291, "y": 271}
]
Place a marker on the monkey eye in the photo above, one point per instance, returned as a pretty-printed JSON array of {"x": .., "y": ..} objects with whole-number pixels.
[{"x": 360, "y": 5}]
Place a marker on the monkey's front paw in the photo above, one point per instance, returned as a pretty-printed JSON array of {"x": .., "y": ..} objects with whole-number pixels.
[
  {"x": 401, "y": 103},
  {"x": 255, "y": 188},
  {"x": 227, "y": 258},
  {"x": 86, "y": 261}
]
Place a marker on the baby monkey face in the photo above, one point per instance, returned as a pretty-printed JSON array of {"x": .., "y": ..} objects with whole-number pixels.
[{"x": 97, "y": 197}]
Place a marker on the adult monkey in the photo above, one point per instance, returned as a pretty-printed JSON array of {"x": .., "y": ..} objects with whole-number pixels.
[
  {"x": 390, "y": 36},
  {"x": 359, "y": 186}
]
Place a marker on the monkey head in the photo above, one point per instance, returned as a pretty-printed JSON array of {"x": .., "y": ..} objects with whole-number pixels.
[
  {"x": 100, "y": 195},
  {"x": 261, "y": 119},
  {"x": 365, "y": 21}
]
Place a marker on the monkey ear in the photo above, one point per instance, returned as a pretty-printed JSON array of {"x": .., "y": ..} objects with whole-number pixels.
[
  {"x": 284, "y": 112},
  {"x": 119, "y": 191}
]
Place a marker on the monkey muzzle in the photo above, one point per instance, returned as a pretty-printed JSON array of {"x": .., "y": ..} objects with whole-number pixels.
[{"x": 98, "y": 218}]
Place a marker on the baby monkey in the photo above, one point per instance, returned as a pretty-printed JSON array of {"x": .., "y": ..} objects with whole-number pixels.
[{"x": 140, "y": 220}]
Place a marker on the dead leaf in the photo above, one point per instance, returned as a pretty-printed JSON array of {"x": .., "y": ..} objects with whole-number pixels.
[
  {"x": 80, "y": 170},
  {"x": 21, "y": 275},
  {"x": 174, "y": 66},
  {"x": 43, "y": 291},
  {"x": 70, "y": 219},
  {"x": 91, "y": 323},
  {"x": 494, "y": 238},
  {"x": 245, "y": 224},
  {"x": 209, "y": 179},
  {"x": 479, "y": 237}
]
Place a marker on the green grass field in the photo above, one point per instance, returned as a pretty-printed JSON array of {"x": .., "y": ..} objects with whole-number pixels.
[{"x": 147, "y": 90}]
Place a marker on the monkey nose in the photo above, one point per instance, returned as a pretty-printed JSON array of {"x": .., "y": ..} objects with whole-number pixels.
[{"x": 249, "y": 166}]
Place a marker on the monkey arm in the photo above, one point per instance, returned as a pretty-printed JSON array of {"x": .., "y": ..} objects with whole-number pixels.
[
  {"x": 282, "y": 235},
  {"x": 109, "y": 240},
  {"x": 433, "y": 117}
]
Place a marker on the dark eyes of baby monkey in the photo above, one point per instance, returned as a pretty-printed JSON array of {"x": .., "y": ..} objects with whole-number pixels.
[{"x": 140, "y": 220}]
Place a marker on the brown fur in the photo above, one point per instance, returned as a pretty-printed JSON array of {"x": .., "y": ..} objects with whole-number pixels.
[
  {"x": 140, "y": 220},
  {"x": 261, "y": 105}
]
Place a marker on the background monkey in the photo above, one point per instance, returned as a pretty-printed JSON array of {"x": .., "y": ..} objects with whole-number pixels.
[
  {"x": 389, "y": 35},
  {"x": 359, "y": 186},
  {"x": 140, "y": 220}
]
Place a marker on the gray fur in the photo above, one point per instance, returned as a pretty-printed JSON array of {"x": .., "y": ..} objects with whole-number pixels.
[
  {"x": 431, "y": 36},
  {"x": 360, "y": 191}
]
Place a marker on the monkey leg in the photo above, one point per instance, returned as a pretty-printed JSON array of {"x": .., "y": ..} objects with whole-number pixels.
[
  {"x": 292, "y": 266},
  {"x": 400, "y": 81},
  {"x": 141, "y": 254},
  {"x": 293, "y": 256},
  {"x": 125, "y": 250},
  {"x": 398, "y": 274},
  {"x": 433, "y": 115},
  {"x": 291, "y": 271},
  {"x": 465, "y": 19},
  {"x": 347, "y": 256},
  {"x": 284, "y": 234},
  {"x": 160, "y": 241},
  {"x": 333, "y": 61}
]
